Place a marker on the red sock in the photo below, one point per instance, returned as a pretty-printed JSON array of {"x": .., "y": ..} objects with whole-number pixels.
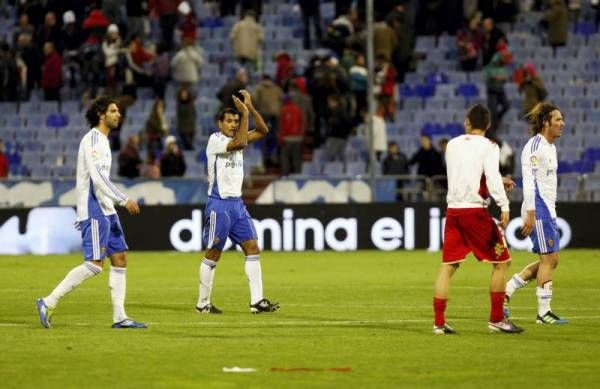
[
  {"x": 497, "y": 313},
  {"x": 439, "y": 307}
]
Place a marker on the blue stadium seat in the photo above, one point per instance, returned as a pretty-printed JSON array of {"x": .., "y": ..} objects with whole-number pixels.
[
  {"x": 57, "y": 120},
  {"x": 412, "y": 104},
  {"x": 564, "y": 167},
  {"x": 424, "y": 44},
  {"x": 356, "y": 168},
  {"x": 585, "y": 28},
  {"x": 467, "y": 90},
  {"x": 455, "y": 103},
  {"x": 311, "y": 168},
  {"x": 445, "y": 91},
  {"x": 583, "y": 167},
  {"x": 435, "y": 103},
  {"x": 8, "y": 108},
  {"x": 333, "y": 168}
]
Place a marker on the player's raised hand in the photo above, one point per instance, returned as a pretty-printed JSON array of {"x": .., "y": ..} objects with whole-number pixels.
[
  {"x": 247, "y": 98},
  {"x": 504, "y": 219},
  {"x": 242, "y": 109},
  {"x": 132, "y": 207},
  {"x": 528, "y": 222}
]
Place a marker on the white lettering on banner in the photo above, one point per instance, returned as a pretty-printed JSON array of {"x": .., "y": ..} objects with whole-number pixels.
[
  {"x": 49, "y": 230},
  {"x": 194, "y": 226},
  {"x": 278, "y": 234},
  {"x": 11, "y": 242},
  {"x": 434, "y": 230},
  {"x": 25, "y": 194},
  {"x": 386, "y": 234},
  {"x": 350, "y": 242},
  {"x": 288, "y": 230},
  {"x": 409, "y": 228},
  {"x": 302, "y": 226},
  {"x": 289, "y": 192},
  {"x": 274, "y": 228}
]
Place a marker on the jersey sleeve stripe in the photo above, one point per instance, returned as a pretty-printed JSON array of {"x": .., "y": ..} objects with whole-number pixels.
[
  {"x": 111, "y": 186},
  {"x": 535, "y": 144}
]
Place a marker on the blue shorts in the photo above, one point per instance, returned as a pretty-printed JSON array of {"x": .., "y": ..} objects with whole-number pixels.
[
  {"x": 545, "y": 236},
  {"x": 102, "y": 237},
  {"x": 226, "y": 219}
]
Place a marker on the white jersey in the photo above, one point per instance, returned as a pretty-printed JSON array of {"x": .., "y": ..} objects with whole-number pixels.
[
  {"x": 225, "y": 168},
  {"x": 539, "y": 164},
  {"x": 473, "y": 170},
  {"x": 96, "y": 195}
]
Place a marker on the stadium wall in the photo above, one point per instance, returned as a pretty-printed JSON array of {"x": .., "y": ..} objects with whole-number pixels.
[{"x": 382, "y": 226}]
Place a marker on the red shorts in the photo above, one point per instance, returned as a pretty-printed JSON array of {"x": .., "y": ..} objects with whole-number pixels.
[{"x": 473, "y": 229}]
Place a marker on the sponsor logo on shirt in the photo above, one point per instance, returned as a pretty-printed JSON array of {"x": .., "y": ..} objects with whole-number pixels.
[{"x": 233, "y": 164}]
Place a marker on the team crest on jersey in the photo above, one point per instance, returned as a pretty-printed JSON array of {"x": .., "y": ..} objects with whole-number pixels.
[
  {"x": 94, "y": 155},
  {"x": 499, "y": 249},
  {"x": 550, "y": 242}
]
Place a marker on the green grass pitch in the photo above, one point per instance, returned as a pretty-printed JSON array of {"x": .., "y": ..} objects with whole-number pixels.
[{"x": 366, "y": 313}]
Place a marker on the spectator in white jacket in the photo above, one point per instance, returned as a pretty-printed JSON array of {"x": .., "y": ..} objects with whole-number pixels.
[
  {"x": 185, "y": 64},
  {"x": 246, "y": 37},
  {"x": 111, "y": 48}
]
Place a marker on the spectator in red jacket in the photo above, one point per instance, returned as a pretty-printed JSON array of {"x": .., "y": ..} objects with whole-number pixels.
[
  {"x": 4, "y": 168},
  {"x": 96, "y": 23},
  {"x": 285, "y": 68},
  {"x": 292, "y": 126},
  {"x": 385, "y": 86},
  {"x": 52, "y": 73}
]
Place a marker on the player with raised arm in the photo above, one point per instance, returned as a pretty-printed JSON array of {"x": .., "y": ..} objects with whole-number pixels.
[
  {"x": 473, "y": 173},
  {"x": 102, "y": 235},
  {"x": 226, "y": 215},
  {"x": 539, "y": 164}
]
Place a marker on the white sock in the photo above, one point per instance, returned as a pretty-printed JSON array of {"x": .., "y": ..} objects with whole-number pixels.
[
  {"x": 72, "y": 280},
  {"x": 254, "y": 275},
  {"x": 516, "y": 282},
  {"x": 117, "y": 284},
  {"x": 207, "y": 276},
  {"x": 544, "y": 298}
]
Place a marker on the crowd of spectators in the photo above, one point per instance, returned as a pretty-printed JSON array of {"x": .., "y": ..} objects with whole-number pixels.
[{"x": 103, "y": 44}]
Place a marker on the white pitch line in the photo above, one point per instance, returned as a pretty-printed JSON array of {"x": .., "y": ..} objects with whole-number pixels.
[
  {"x": 8, "y": 290},
  {"x": 324, "y": 323}
]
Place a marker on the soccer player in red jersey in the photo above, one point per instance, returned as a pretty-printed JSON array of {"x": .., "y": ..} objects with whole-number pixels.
[{"x": 472, "y": 162}]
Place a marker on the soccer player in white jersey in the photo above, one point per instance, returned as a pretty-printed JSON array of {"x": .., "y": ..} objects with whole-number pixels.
[
  {"x": 102, "y": 235},
  {"x": 226, "y": 215},
  {"x": 472, "y": 163},
  {"x": 539, "y": 164}
]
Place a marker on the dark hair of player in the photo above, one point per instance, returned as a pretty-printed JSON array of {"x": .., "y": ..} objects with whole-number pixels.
[
  {"x": 539, "y": 115},
  {"x": 97, "y": 108},
  {"x": 225, "y": 111},
  {"x": 479, "y": 117}
]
